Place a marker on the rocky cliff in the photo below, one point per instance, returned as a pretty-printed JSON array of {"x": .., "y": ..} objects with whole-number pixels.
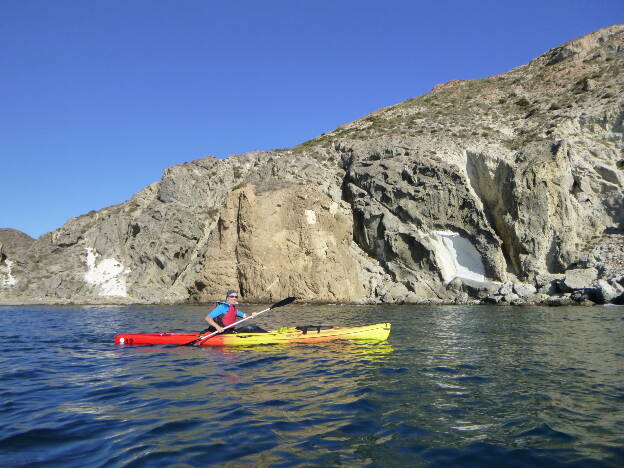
[{"x": 496, "y": 189}]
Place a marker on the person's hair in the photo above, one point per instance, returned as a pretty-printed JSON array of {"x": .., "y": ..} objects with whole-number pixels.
[{"x": 230, "y": 292}]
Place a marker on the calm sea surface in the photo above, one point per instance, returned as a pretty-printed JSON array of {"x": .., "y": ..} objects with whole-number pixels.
[{"x": 453, "y": 386}]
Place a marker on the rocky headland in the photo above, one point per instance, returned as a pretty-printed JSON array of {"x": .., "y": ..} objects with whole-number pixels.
[{"x": 506, "y": 190}]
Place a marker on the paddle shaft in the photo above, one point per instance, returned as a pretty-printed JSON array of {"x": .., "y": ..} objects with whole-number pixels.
[
  {"x": 281, "y": 303},
  {"x": 200, "y": 339}
]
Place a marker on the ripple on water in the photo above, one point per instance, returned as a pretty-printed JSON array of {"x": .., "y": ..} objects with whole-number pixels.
[
  {"x": 173, "y": 427},
  {"x": 544, "y": 431},
  {"x": 454, "y": 387},
  {"x": 74, "y": 429},
  {"x": 446, "y": 370},
  {"x": 105, "y": 392},
  {"x": 479, "y": 454},
  {"x": 473, "y": 379}
]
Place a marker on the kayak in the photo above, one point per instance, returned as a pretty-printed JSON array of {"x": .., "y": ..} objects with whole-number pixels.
[{"x": 306, "y": 334}]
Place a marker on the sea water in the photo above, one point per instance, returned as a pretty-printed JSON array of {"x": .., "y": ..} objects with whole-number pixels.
[{"x": 453, "y": 386}]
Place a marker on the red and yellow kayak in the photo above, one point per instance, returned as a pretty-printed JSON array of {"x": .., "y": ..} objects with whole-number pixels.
[{"x": 310, "y": 334}]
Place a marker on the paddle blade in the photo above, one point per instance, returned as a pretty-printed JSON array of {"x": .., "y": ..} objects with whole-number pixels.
[
  {"x": 283, "y": 302},
  {"x": 191, "y": 343}
]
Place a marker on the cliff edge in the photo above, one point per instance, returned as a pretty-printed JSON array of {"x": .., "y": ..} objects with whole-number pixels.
[{"x": 505, "y": 189}]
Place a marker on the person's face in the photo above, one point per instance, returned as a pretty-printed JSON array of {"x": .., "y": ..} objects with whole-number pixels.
[{"x": 233, "y": 298}]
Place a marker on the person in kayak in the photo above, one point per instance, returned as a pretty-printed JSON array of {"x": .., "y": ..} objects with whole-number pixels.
[{"x": 226, "y": 313}]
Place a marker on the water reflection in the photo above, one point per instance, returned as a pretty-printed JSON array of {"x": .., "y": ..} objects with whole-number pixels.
[
  {"x": 451, "y": 382},
  {"x": 365, "y": 349}
]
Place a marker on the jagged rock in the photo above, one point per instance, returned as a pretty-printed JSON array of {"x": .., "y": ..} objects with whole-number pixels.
[
  {"x": 461, "y": 298},
  {"x": 510, "y": 298},
  {"x": 396, "y": 293},
  {"x": 607, "y": 252},
  {"x": 505, "y": 289},
  {"x": 617, "y": 284},
  {"x": 539, "y": 299},
  {"x": 14, "y": 243},
  {"x": 513, "y": 176},
  {"x": 584, "y": 296},
  {"x": 492, "y": 299},
  {"x": 606, "y": 292},
  {"x": 456, "y": 285}
]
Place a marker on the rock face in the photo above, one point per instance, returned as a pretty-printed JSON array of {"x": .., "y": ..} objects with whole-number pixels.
[
  {"x": 490, "y": 188},
  {"x": 290, "y": 241},
  {"x": 13, "y": 245},
  {"x": 14, "y": 242}
]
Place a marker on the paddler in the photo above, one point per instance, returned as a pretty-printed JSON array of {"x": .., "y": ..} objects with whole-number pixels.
[{"x": 226, "y": 313}]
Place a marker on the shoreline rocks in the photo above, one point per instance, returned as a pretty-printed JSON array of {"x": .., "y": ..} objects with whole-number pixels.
[{"x": 579, "y": 286}]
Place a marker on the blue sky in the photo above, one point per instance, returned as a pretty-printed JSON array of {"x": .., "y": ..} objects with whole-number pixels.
[{"x": 98, "y": 97}]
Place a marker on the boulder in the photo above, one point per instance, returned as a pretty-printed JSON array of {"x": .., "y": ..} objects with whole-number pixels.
[
  {"x": 548, "y": 284},
  {"x": 395, "y": 293},
  {"x": 461, "y": 298},
  {"x": 581, "y": 278},
  {"x": 539, "y": 298},
  {"x": 511, "y": 298},
  {"x": 412, "y": 298},
  {"x": 583, "y": 296},
  {"x": 606, "y": 292},
  {"x": 524, "y": 289},
  {"x": 455, "y": 285},
  {"x": 492, "y": 299},
  {"x": 478, "y": 289},
  {"x": 506, "y": 288},
  {"x": 559, "y": 301}
]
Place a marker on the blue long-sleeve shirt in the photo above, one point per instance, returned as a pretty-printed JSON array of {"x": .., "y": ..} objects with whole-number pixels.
[{"x": 221, "y": 309}]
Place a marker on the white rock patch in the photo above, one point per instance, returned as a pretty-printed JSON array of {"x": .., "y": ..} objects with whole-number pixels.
[
  {"x": 457, "y": 257},
  {"x": 109, "y": 274},
  {"x": 9, "y": 280},
  {"x": 310, "y": 216}
]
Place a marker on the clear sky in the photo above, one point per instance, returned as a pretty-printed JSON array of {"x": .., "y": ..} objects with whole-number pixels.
[{"x": 98, "y": 97}]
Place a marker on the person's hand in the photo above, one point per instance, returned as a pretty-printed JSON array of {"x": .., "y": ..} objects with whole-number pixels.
[
  {"x": 253, "y": 314},
  {"x": 220, "y": 329}
]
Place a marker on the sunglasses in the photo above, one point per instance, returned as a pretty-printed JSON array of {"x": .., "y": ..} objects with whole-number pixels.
[{"x": 235, "y": 297}]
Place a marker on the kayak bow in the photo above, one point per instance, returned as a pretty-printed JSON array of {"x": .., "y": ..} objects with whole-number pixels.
[{"x": 310, "y": 334}]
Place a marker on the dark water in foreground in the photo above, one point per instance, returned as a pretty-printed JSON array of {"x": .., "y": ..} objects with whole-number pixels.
[{"x": 454, "y": 386}]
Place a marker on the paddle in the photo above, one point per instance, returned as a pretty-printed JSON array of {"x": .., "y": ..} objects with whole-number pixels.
[{"x": 201, "y": 339}]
